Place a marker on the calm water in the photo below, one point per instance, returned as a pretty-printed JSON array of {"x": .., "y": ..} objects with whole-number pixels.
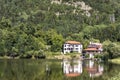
[{"x": 56, "y": 70}]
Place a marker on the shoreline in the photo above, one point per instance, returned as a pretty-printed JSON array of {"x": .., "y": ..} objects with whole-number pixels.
[{"x": 58, "y": 57}]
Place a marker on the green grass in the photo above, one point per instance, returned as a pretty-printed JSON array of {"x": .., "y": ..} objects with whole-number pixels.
[
  {"x": 56, "y": 55},
  {"x": 116, "y": 60}
]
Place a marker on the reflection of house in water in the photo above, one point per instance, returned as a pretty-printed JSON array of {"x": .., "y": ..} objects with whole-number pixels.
[
  {"x": 75, "y": 68},
  {"x": 72, "y": 69},
  {"x": 94, "y": 70}
]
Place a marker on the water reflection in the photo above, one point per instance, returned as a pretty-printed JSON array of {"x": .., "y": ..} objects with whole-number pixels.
[
  {"x": 53, "y": 70},
  {"x": 94, "y": 69},
  {"x": 75, "y": 68},
  {"x": 72, "y": 68}
]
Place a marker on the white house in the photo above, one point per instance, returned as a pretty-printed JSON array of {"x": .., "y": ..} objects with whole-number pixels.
[{"x": 72, "y": 46}]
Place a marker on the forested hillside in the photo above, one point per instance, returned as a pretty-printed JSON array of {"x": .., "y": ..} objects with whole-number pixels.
[{"x": 33, "y": 26}]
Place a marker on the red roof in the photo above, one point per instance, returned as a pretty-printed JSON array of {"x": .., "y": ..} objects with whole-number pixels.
[
  {"x": 94, "y": 71},
  {"x": 91, "y": 49},
  {"x": 72, "y": 42},
  {"x": 91, "y": 70},
  {"x": 72, "y": 74}
]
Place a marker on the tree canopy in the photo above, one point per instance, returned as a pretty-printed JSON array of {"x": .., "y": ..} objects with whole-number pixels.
[{"x": 34, "y": 25}]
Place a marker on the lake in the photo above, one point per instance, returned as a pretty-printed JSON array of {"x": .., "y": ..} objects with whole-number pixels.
[{"x": 28, "y": 69}]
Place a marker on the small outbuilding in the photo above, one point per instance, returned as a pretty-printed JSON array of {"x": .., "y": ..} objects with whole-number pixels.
[{"x": 93, "y": 48}]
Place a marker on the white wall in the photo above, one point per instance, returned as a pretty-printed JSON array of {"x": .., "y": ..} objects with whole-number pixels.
[{"x": 77, "y": 48}]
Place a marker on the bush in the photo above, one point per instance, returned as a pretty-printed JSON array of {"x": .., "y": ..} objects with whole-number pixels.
[
  {"x": 39, "y": 55},
  {"x": 113, "y": 49},
  {"x": 27, "y": 55},
  {"x": 105, "y": 56},
  {"x": 86, "y": 55},
  {"x": 2, "y": 54},
  {"x": 98, "y": 55}
]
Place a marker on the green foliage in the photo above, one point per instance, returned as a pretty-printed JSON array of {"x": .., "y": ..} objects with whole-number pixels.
[
  {"x": 112, "y": 48},
  {"x": 105, "y": 56},
  {"x": 36, "y": 24},
  {"x": 86, "y": 55}
]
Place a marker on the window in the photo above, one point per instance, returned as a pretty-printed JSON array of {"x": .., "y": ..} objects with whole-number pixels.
[
  {"x": 69, "y": 45},
  {"x": 64, "y": 45},
  {"x": 76, "y": 49},
  {"x": 76, "y": 45}
]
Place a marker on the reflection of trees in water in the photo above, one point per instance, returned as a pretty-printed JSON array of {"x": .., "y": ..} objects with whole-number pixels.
[
  {"x": 111, "y": 70},
  {"x": 31, "y": 70},
  {"x": 23, "y": 70},
  {"x": 56, "y": 71},
  {"x": 36, "y": 70}
]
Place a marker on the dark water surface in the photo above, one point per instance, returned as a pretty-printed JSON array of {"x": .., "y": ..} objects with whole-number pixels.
[{"x": 56, "y": 70}]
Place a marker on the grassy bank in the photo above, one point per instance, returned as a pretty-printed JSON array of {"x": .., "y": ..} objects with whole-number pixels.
[
  {"x": 58, "y": 55},
  {"x": 116, "y": 60},
  {"x": 48, "y": 55}
]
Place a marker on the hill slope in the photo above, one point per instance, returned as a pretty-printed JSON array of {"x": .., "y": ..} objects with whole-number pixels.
[{"x": 30, "y": 25}]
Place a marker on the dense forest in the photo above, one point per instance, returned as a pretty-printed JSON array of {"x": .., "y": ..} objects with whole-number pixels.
[{"x": 31, "y": 27}]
